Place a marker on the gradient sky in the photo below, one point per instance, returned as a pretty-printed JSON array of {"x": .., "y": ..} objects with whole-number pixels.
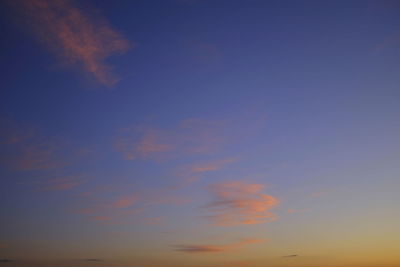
[{"x": 196, "y": 133}]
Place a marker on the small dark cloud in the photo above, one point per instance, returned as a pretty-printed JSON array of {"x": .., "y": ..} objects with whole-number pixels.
[
  {"x": 6, "y": 260},
  {"x": 291, "y": 256},
  {"x": 98, "y": 260}
]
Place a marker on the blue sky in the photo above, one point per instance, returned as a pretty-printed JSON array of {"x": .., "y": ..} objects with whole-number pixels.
[{"x": 199, "y": 133}]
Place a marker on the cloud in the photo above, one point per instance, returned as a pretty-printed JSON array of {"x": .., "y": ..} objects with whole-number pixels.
[
  {"x": 77, "y": 38},
  {"x": 25, "y": 149},
  {"x": 189, "y": 137},
  {"x": 3, "y": 245},
  {"x": 216, "y": 248},
  {"x": 94, "y": 260},
  {"x": 12, "y": 133},
  {"x": 195, "y": 171},
  {"x": 211, "y": 165},
  {"x": 6, "y": 260},
  {"x": 101, "y": 218},
  {"x": 290, "y": 256},
  {"x": 99, "y": 207},
  {"x": 34, "y": 156},
  {"x": 62, "y": 183},
  {"x": 240, "y": 203},
  {"x": 148, "y": 144},
  {"x": 125, "y": 201}
]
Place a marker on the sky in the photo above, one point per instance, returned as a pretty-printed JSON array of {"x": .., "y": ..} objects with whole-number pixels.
[{"x": 199, "y": 133}]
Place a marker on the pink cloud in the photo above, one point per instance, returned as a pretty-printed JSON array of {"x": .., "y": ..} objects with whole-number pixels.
[
  {"x": 98, "y": 206},
  {"x": 190, "y": 137},
  {"x": 23, "y": 149},
  {"x": 211, "y": 166},
  {"x": 149, "y": 144},
  {"x": 35, "y": 156},
  {"x": 77, "y": 38},
  {"x": 240, "y": 203},
  {"x": 193, "y": 172},
  {"x": 12, "y": 133},
  {"x": 101, "y": 218},
  {"x": 216, "y": 248},
  {"x": 62, "y": 183},
  {"x": 125, "y": 201}
]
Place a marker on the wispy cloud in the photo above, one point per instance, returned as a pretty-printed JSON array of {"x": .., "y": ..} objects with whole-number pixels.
[
  {"x": 12, "y": 133},
  {"x": 33, "y": 156},
  {"x": 61, "y": 183},
  {"x": 3, "y": 245},
  {"x": 150, "y": 142},
  {"x": 100, "y": 207},
  {"x": 211, "y": 165},
  {"x": 189, "y": 137},
  {"x": 240, "y": 203},
  {"x": 101, "y": 218},
  {"x": 23, "y": 149},
  {"x": 125, "y": 201},
  {"x": 195, "y": 171},
  {"x": 78, "y": 38},
  {"x": 216, "y": 248},
  {"x": 291, "y": 256}
]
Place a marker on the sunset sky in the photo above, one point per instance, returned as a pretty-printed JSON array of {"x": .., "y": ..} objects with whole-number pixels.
[{"x": 200, "y": 133}]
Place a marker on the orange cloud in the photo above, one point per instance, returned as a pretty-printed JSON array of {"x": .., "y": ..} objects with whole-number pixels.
[
  {"x": 216, "y": 248},
  {"x": 3, "y": 245},
  {"x": 77, "y": 38},
  {"x": 240, "y": 203}
]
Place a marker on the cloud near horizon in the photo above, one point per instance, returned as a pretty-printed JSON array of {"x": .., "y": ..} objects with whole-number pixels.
[
  {"x": 78, "y": 39},
  {"x": 238, "y": 203},
  {"x": 216, "y": 248}
]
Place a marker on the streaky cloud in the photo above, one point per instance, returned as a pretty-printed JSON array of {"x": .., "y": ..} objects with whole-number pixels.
[
  {"x": 238, "y": 203},
  {"x": 79, "y": 39},
  {"x": 216, "y": 248}
]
